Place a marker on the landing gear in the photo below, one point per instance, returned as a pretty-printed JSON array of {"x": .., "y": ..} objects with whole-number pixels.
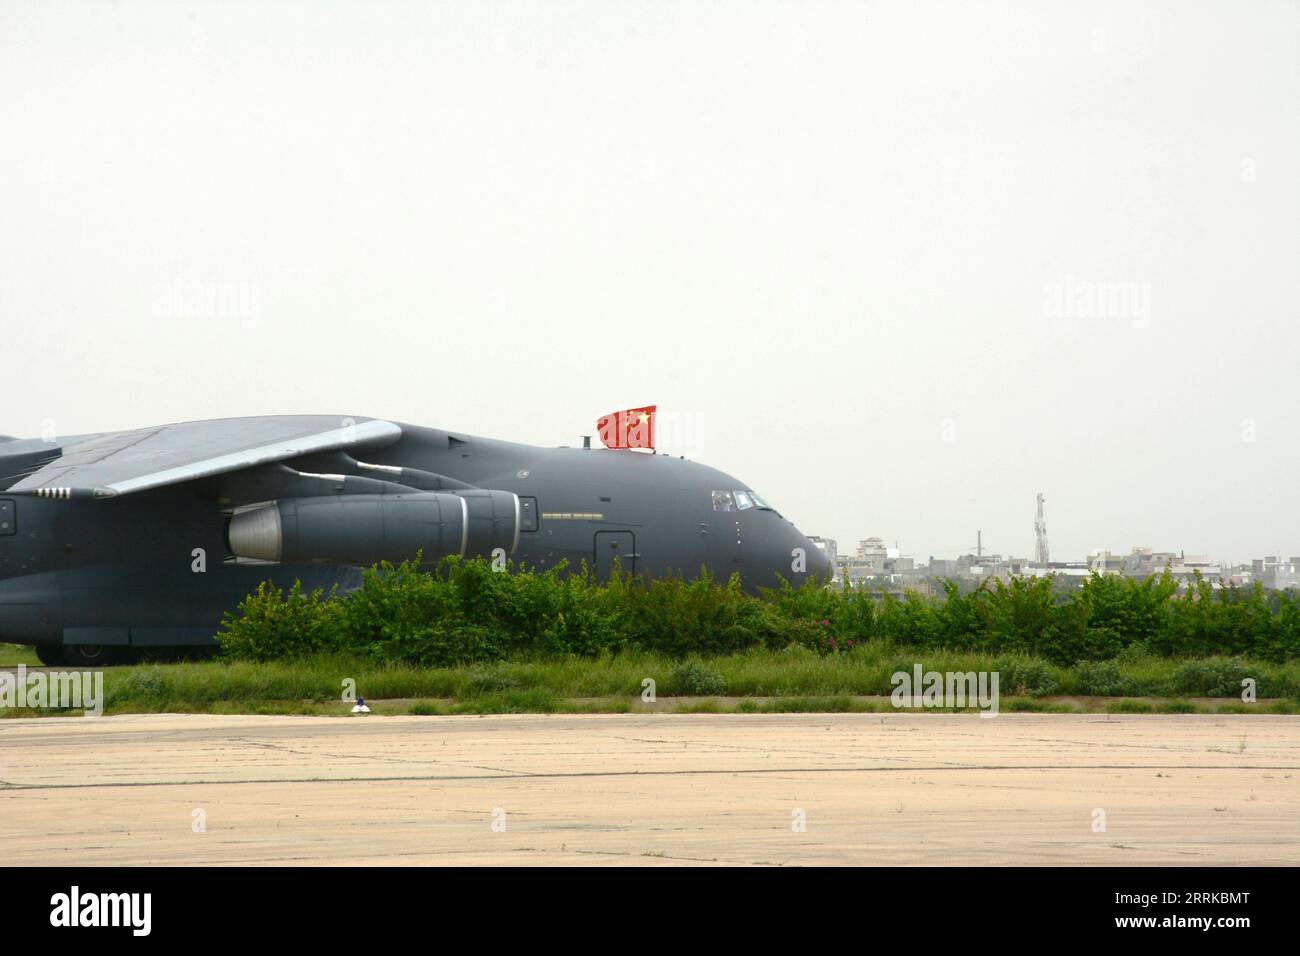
[
  {"x": 94, "y": 655},
  {"x": 51, "y": 655},
  {"x": 89, "y": 655}
]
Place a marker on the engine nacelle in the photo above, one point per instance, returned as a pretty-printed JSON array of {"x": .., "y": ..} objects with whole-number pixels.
[{"x": 367, "y": 529}]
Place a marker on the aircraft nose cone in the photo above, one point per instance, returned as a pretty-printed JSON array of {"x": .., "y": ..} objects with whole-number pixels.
[
  {"x": 815, "y": 564},
  {"x": 819, "y": 564},
  {"x": 776, "y": 550}
]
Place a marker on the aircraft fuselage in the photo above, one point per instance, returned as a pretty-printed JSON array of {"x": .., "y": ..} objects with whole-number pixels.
[{"x": 155, "y": 568}]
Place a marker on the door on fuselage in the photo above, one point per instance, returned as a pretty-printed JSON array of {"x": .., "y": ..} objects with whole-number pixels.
[{"x": 612, "y": 546}]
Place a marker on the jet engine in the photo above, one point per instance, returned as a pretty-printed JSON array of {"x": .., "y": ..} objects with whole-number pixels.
[{"x": 366, "y": 529}]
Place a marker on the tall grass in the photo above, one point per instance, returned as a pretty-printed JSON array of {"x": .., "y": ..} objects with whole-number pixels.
[{"x": 544, "y": 684}]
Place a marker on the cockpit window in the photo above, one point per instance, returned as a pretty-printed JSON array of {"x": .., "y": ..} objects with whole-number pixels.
[{"x": 738, "y": 500}]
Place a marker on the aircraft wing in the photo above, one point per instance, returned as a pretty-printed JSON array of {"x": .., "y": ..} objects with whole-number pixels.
[{"x": 119, "y": 463}]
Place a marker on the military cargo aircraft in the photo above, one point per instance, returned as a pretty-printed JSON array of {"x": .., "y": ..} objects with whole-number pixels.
[{"x": 117, "y": 542}]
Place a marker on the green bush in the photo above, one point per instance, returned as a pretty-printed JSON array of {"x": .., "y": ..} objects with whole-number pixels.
[
  {"x": 694, "y": 678},
  {"x": 1135, "y": 652},
  {"x": 1211, "y": 677},
  {"x": 272, "y": 624},
  {"x": 146, "y": 686},
  {"x": 463, "y": 612},
  {"x": 1027, "y": 676},
  {"x": 1019, "y": 616},
  {"x": 1099, "y": 679},
  {"x": 442, "y": 644}
]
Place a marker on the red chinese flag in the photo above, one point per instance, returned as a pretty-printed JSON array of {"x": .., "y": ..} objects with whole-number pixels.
[{"x": 634, "y": 428}]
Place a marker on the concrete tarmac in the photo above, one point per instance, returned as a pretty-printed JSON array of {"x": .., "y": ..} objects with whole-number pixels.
[{"x": 642, "y": 789}]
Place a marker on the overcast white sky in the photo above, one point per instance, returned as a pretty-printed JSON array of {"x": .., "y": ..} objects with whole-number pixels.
[{"x": 831, "y": 241}]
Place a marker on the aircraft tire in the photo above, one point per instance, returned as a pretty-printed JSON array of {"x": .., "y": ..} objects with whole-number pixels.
[
  {"x": 51, "y": 655},
  {"x": 91, "y": 655}
]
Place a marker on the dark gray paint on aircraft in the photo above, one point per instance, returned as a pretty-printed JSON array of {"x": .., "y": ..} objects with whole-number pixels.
[{"x": 99, "y": 533}]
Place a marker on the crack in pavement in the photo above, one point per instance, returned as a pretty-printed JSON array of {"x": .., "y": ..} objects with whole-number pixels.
[
  {"x": 9, "y": 786},
  {"x": 281, "y": 748}
]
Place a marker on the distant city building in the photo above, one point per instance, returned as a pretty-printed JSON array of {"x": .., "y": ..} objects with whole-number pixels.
[
  {"x": 1275, "y": 572},
  {"x": 876, "y": 565},
  {"x": 827, "y": 546},
  {"x": 1105, "y": 561},
  {"x": 1144, "y": 562}
]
